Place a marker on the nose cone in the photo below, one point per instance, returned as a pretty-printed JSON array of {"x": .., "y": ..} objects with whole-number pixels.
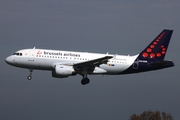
[{"x": 9, "y": 60}]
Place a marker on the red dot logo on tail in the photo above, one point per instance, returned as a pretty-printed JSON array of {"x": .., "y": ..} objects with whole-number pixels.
[
  {"x": 145, "y": 54},
  {"x": 149, "y": 50},
  {"x": 154, "y": 43},
  {"x": 163, "y": 49},
  {"x": 163, "y": 52},
  {"x": 158, "y": 54},
  {"x": 152, "y": 46},
  {"x": 157, "y": 49},
  {"x": 152, "y": 55}
]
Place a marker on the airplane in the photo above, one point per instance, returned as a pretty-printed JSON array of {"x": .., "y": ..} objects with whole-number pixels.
[{"x": 63, "y": 64}]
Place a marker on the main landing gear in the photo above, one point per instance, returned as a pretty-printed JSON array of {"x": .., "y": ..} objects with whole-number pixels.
[
  {"x": 85, "y": 80},
  {"x": 30, "y": 74}
]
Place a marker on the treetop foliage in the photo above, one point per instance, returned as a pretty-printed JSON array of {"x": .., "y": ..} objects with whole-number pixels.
[{"x": 151, "y": 115}]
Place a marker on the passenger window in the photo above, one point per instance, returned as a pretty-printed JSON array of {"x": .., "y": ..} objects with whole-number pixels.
[{"x": 20, "y": 54}]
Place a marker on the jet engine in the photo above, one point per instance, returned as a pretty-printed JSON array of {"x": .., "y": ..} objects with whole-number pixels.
[{"x": 62, "y": 71}]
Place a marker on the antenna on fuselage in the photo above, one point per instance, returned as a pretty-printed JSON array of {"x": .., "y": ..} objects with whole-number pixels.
[{"x": 34, "y": 47}]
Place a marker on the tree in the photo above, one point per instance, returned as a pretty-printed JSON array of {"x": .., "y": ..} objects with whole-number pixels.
[{"x": 150, "y": 115}]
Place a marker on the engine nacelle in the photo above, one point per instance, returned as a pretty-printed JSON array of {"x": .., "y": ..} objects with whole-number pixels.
[{"x": 62, "y": 71}]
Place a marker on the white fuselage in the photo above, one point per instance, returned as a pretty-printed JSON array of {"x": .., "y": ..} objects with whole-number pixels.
[{"x": 43, "y": 59}]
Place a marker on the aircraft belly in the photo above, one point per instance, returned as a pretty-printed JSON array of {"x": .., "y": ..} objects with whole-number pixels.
[{"x": 98, "y": 70}]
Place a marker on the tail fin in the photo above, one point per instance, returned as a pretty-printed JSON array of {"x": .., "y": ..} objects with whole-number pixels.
[{"x": 157, "y": 49}]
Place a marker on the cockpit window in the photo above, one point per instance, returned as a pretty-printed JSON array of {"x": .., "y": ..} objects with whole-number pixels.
[{"x": 18, "y": 54}]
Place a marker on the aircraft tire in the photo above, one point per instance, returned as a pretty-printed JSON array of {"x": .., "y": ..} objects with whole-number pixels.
[
  {"x": 29, "y": 77},
  {"x": 85, "y": 81}
]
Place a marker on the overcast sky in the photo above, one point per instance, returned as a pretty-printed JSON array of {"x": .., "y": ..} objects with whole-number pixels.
[{"x": 118, "y": 27}]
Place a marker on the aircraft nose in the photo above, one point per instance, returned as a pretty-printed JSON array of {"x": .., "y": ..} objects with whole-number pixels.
[{"x": 8, "y": 60}]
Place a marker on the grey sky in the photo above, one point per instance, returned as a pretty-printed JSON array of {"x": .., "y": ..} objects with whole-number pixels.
[{"x": 118, "y": 27}]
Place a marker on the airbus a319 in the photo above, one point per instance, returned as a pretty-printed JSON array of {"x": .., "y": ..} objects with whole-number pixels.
[{"x": 63, "y": 64}]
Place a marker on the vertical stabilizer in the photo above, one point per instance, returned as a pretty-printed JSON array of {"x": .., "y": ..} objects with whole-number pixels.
[{"x": 157, "y": 49}]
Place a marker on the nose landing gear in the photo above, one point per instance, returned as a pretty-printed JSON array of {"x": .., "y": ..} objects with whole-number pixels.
[{"x": 30, "y": 74}]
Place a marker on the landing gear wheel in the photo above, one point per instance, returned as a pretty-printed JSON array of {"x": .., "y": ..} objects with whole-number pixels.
[
  {"x": 30, "y": 74},
  {"x": 85, "y": 81},
  {"x": 29, "y": 77}
]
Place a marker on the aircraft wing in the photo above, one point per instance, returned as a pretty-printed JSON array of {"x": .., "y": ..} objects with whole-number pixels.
[{"x": 94, "y": 62}]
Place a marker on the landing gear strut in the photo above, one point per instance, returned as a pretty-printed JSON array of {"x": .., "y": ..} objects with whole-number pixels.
[{"x": 30, "y": 74}]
